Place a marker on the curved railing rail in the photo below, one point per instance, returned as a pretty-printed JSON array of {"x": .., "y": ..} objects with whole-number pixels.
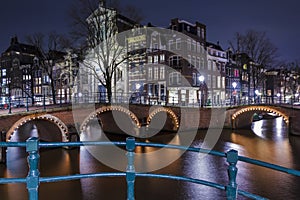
[{"x": 33, "y": 178}]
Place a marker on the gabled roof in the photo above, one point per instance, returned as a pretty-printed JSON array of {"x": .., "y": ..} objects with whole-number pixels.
[
  {"x": 214, "y": 46},
  {"x": 22, "y": 48}
]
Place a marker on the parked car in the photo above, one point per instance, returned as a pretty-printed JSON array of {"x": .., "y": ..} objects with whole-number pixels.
[{"x": 4, "y": 102}]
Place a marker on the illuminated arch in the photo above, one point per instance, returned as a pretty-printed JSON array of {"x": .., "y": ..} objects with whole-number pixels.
[
  {"x": 103, "y": 109},
  {"x": 168, "y": 111},
  {"x": 262, "y": 109},
  {"x": 61, "y": 125}
]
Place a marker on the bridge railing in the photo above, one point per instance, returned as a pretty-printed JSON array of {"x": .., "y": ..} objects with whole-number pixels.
[{"x": 33, "y": 178}]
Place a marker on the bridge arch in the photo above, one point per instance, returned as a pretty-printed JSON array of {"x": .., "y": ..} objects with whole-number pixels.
[
  {"x": 103, "y": 109},
  {"x": 60, "y": 124},
  {"x": 244, "y": 115},
  {"x": 169, "y": 111}
]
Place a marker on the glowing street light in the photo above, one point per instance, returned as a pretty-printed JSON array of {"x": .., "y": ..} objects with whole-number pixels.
[
  {"x": 234, "y": 84},
  {"x": 201, "y": 79},
  {"x": 278, "y": 97}
]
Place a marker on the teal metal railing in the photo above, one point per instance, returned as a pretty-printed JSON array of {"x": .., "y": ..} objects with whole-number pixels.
[{"x": 33, "y": 178}]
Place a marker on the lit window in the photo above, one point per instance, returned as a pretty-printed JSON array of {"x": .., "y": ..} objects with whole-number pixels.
[
  {"x": 3, "y": 72},
  {"x": 162, "y": 57},
  {"x": 155, "y": 59}
]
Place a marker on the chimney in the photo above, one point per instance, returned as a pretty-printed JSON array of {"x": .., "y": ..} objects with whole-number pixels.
[{"x": 14, "y": 40}]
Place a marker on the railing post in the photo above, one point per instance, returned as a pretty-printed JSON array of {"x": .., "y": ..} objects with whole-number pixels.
[
  {"x": 231, "y": 188},
  {"x": 3, "y": 149},
  {"x": 32, "y": 180},
  {"x": 130, "y": 171}
]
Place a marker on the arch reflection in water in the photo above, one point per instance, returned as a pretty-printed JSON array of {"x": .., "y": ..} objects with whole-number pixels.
[{"x": 270, "y": 128}]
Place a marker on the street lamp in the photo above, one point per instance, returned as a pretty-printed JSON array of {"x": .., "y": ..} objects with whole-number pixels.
[
  {"x": 297, "y": 97},
  {"x": 234, "y": 84},
  {"x": 257, "y": 95},
  {"x": 201, "y": 79},
  {"x": 278, "y": 97}
]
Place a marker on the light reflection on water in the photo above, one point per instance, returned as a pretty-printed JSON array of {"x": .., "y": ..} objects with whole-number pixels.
[{"x": 271, "y": 144}]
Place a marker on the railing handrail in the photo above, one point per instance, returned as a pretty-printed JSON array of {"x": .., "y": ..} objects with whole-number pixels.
[{"x": 33, "y": 179}]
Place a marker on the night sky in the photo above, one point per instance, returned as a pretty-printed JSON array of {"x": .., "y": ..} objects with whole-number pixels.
[{"x": 280, "y": 19}]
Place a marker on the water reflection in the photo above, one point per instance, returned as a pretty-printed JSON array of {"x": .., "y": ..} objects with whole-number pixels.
[
  {"x": 271, "y": 144},
  {"x": 275, "y": 129}
]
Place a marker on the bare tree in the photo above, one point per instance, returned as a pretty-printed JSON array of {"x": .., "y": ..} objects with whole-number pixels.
[
  {"x": 95, "y": 25},
  {"x": 48, "y": 56},
  {"x": 257, "y": 46},
  {"x": 260, "y": 50}
]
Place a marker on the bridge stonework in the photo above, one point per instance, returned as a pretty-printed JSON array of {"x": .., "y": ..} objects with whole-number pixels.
[
  {"x": 182, "y": 119},
  {"x": 242, "y": 117}
]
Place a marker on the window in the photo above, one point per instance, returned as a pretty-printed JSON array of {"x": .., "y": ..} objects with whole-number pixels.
[
  {"x": 214, "y": 66},
  {"x": 223, "y": 82},
  {"x": 171, "y": 44},
  {"x": 3, "y": 72},
  {"x": 209, "y": 64},
  {"x": 162, "y": 72},
  {"x": 194, "y": 61},
  {"x": 236, "y": 72},
  {"x": 175, "y": 61},
  {"x": 162, "y": 57},
  {"x": 198, "y": 63},
  {"x": 198, "y": 32},
  {"x": 149, "y": 59},
  {"x": 178, "y": 43},
  {"x": 174, "y": 78},
  {"x": 214, "y": 81},
  {"x": 202, "y": 33},
  {"x": 189, "y": 60},
  {"x": 198, "y": 47},
  {"x": 150, "y": 71},
  {"x": 202, "y": 63},
  {"x": 156, "y": 59},
  {"x": 155, "y": 73},
  {"x": 189, "y": 47},
  {"x": 209, "y": 81},
  {"x": 194, "y": 79},
  {"x": 194, "y": 46}
]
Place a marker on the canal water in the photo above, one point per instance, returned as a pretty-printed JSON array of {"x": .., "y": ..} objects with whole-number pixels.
[{"x": 267, "y": 141}]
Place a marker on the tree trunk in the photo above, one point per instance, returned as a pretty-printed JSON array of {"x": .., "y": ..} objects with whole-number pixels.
[
  {"x": 53, "y": 92},
  {"x": 109, "y": 91}
]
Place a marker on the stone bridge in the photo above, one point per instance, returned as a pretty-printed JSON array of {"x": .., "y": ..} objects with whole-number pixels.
[
  {"x": 137, "y": 116},
  {"x": 242, "y": 116}
]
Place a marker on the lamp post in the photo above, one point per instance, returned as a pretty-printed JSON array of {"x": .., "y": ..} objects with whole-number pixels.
[
  {"x": 234, "y": 84},
  {"x": 9, "y": 105},
  {"x": 27, "y": 108},
  {"x": 297, "y": 97},
  {"x": 278, "y": 97},
  {"x": 257, "y": 96},
  {"x": 201, "y": 79}
]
